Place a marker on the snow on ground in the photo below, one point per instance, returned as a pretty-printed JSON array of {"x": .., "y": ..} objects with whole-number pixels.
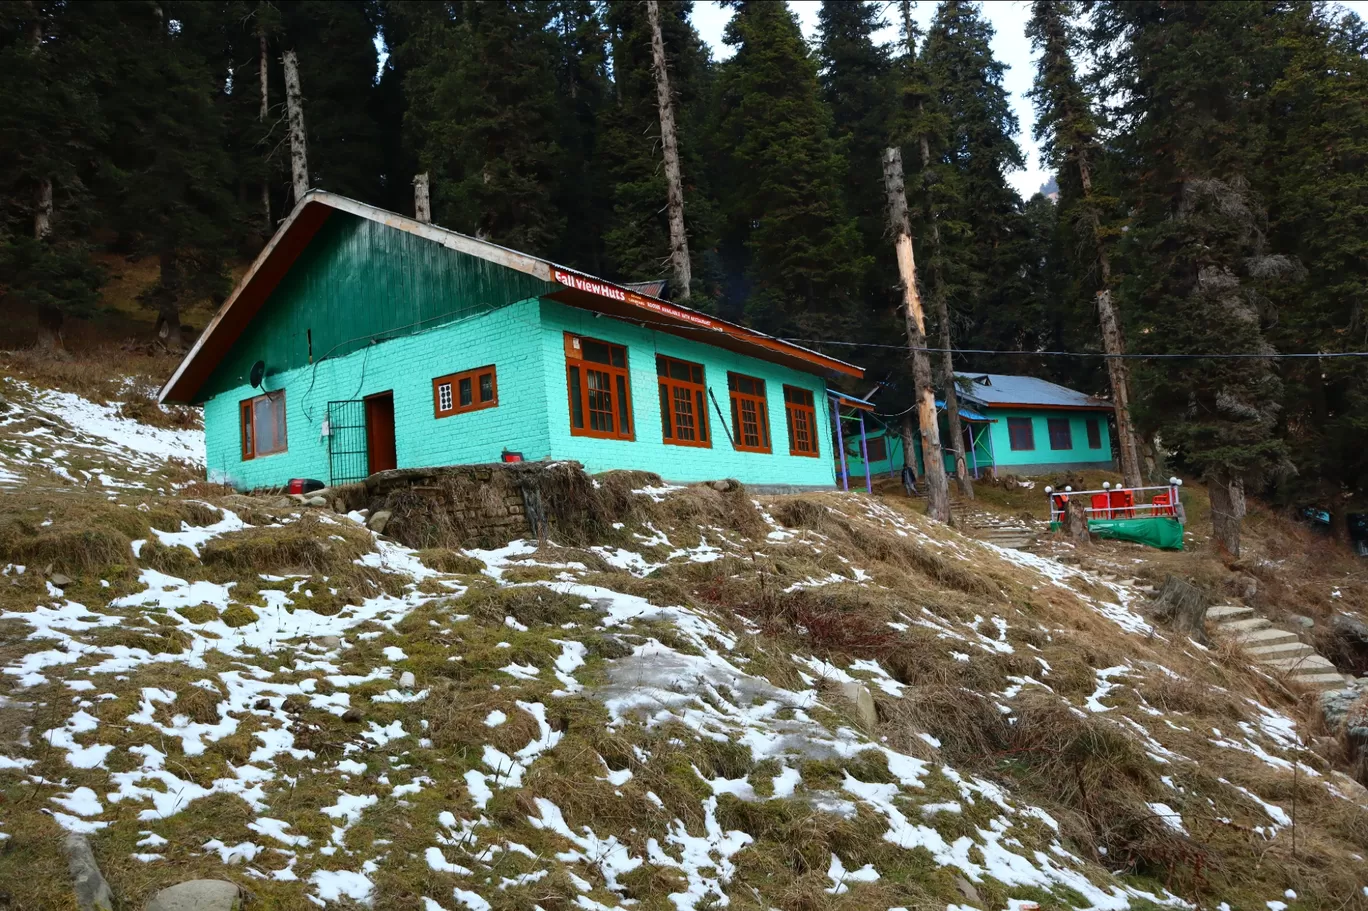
[{"x": 681, "y": 679}]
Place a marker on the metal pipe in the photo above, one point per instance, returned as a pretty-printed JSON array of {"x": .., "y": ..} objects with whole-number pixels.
[
  {"x": 864, "y": 453},
  {"x": 840, "y": 446}
]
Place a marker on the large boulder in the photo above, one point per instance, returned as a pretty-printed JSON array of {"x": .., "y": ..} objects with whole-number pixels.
[{"x": 198, "y": 895}]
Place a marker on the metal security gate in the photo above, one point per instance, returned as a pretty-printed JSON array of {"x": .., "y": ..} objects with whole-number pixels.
[{"x": 348, "y": 458}]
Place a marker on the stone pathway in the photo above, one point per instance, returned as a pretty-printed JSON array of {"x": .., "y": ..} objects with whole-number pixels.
[
  {"x": 1280, "y": 651},
  {"x": 1019, "y": 534}
]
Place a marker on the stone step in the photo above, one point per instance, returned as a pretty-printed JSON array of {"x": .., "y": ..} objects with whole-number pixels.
[
  {"x": 1319, "y": 680},
  {"x": 1310, "y": 663},
  {"x": 1240, "y": 627},
  {"x": 1226, "y": 612},
  {"x": 1260, "y": 637},
  {"x": 1281, "y": 650}
]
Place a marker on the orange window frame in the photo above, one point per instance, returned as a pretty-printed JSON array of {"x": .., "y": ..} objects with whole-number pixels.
[
  {"x": 692, "y": 393},
  {"x": 247, "y": 429},
  {"x": 597, "y": 391},
  {"x": 757, "y": 404},
  {"x": 802, "y": 421},
  {"x": 453, "y": 397}
]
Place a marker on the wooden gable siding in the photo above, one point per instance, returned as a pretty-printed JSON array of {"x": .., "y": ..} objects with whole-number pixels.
[{"x": 360, "y": 280}]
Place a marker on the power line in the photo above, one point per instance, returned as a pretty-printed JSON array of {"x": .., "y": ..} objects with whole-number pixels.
[{"x": 1274, "y": 355}]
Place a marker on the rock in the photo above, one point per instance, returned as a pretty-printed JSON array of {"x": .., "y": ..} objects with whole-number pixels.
[
  {"x": 1301, "y": 620},
  {"x": 283, "y": 503},
  {"x": 1246, "y": 586},
  {"x": 328, "y": 641},
  {"x": 352, "y": 716},
  {"x": 262, "y": 705},
  {"x": 1349, "y": 786},
  {"x": 1336, "y": 706},
  {"x": 59, "y": 580},
  {"x": 407, "y": 680},
  {"x": 966, "y": 889},
  {"x": 198, "y": 895},
  {"x": 92, "y": 892},
  {"x": 378, "y": 521},
  {"x": 294, "y": 704},
  {"x": 1350, "y": 628},
  {"x": 320, "y": 502},
  {"x": 863, "y": 700}
]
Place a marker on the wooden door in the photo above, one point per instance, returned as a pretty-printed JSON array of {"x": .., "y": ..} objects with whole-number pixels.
[{"x": 380, "y": 432}]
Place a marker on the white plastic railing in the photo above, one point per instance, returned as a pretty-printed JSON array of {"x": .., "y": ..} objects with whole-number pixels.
[{"x": 1141, "y": 505}]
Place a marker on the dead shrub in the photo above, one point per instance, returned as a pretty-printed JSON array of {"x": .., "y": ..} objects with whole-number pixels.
[
  {"x": 306, "y": 546},
  {"x": 797, "y": 512},
  {"x": 141, "y": 406},
  {"x": 445, "y": 560},
  {"x": 531, "y": 604}
]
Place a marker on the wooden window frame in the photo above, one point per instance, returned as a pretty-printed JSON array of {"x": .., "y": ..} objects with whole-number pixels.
[
  {"x": 882, "y": 444},
  {"x": 697, "y": 396},
  {"x": 248, "y": 440},
  {"x": 620, "y": 389},
  {"x": 454, "y": 381},
  {"x": 1029, "y": 424},
  {"x": 1093, "y": 426},
  {"x": 761, "y": 403},
  {"x": 1053, "y": 424},
  {"x": 791, "y": 411}
]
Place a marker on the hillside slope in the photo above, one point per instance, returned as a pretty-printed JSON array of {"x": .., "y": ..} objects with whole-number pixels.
[{"x": 774, "y": 702}]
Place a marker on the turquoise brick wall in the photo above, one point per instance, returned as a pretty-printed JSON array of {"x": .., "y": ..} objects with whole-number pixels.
[
  {"x": 1042, "y": 457},
  {"x": 648, "y": 451},
  {"x": 507, "y": 337}
]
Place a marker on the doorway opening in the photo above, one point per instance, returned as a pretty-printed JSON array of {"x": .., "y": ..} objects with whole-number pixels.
[{"x": 380, "y": 449}]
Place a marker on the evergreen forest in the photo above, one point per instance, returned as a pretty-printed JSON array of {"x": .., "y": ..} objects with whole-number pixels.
[{"x": 1210, "y": 190}]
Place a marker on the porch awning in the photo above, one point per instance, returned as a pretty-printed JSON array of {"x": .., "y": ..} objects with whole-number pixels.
[{"x": 851, "y": 401}]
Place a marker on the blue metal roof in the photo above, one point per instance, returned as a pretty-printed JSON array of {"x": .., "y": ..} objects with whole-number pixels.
[
  {"x": 966, "y": 413},
  {"x": 1001, "y": 390}
]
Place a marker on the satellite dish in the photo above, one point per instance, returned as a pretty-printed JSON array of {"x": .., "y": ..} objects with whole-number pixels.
[{"x": 257, "y": 374}]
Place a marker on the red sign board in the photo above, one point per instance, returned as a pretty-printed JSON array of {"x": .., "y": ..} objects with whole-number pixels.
[{"x": 613, "y": 292}]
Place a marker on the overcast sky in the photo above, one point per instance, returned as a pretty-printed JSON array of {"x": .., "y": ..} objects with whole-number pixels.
[{"x": 1010, "y": 46}]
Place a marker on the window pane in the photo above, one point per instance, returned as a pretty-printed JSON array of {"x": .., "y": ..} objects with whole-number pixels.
[
  {"x": 697, "y": 372},
  {"x": 764, "y": 423},
  {"x": 600, "y": 401},
  {"x": 486, "y": 387},
  {"x": 248, "y": 436},
  {"x": 736, "y": 423},
  {"x": 576, "y": 400},
  {"x": 1061, "y": 433},
  {"x": 619, "y": 355},
  {"x": 665, "y": 411},
  {"x": 594, "y": 351},
  {"x": 662, "y": 365},
  {"x": 464, "y": 391},
  {"x": 702, "y": 417},
  {"x": 683, "y": 412},
  {"x": 624, "y": 421},
  {"x": 263, "y": 425},
  {"x": 278, "y": 406},
  {"x": 1020, "y": 433},
  {"x": 1094, "y": 434},
  {"x": 750, "y": 424}
]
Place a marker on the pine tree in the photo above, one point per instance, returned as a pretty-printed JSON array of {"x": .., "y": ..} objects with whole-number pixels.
[
  {"x": 582, "y": 89},
  {"x": 1069, "y": 133},
  {"x": 856, "y": 80},
  {"x": 637, "y": 239},
  {"x": 483, "y": 119},
  {"x": 787, "y": 229},
  {"x": 167, "y": 175},
  {"x": 1318, "y": 187},
  {"x": 1198, "y": 261},
  {"x": 49, "y": 120}
]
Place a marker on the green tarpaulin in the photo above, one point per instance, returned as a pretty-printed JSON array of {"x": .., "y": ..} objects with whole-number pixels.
[{"x": 1160, "y": 531}]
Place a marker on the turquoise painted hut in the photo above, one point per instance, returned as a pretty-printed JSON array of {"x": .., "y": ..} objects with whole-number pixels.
[
  {"x": 361, "y": 340},
  {"x": 1012, "y": 425}
]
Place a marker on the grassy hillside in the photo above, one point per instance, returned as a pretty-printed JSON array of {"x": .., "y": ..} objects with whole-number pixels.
[{"x": 811, "y": 702}]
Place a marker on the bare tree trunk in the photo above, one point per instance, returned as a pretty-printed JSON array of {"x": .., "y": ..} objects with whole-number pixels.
[
  {"x": 1076, "y": 521},
  {"x": 937, "y": 490},
  {"x": 42, "y": 212},
  {"x": 264, "y": 68},
  {"x": 909, "y": 445},
  {"x": 168, "y": 301},
  {"x": 674, "y": 184},
  {"x": 422, "y": 198},
  {"x": 294, "y": 104},
  {"x": 1112, "y": 343},
  {"x": 1227, "y": 509}
]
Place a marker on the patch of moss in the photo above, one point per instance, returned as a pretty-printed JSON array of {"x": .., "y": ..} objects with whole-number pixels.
[
  {"x": 445, "y": 560},
  {"x": 199, "y": 613},
  {"x": 239, "y": 615}
]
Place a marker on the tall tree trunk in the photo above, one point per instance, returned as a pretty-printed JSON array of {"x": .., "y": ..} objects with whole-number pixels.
[
  {"x": 294, "y": 104},
  {"x": 937, "y": 490},
  {"x": 1227, "y": 509},
  {"x": 674, "y": 184},
  {"x": 1112, "y": 343},
  {"x": 42, "y": 211},
  {"x": 909, "y": 442},
  {"x": 422, "y": 198},
  {"x": 264, "y": 68},
  {"x": 168, "y": 301}
]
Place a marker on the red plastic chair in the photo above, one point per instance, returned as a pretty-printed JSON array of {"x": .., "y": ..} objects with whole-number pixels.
[
  {"x": 1101, "y": 508},
  {"x": 1059, "y": 500},
  {"x": 1122, "y": 504},
  {"x": 1162, "y": 506}
]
